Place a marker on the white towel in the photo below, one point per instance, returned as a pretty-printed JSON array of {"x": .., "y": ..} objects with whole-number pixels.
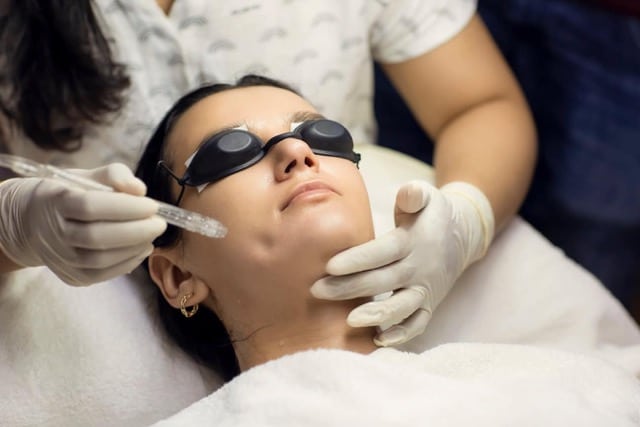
[
  {"x": 452, "y": 385},
  {"x": 93, "y": 356}
]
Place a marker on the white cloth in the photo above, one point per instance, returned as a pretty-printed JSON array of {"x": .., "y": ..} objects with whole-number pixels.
[
  {"x": 452, "y": 385},
  {"x": 97, "y": 356},
  {"x": 93, "y": 356},
  {"x": 324, "y": 48}
]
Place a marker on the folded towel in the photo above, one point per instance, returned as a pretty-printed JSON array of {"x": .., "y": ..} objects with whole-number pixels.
[{"x": 451, "y": 385}]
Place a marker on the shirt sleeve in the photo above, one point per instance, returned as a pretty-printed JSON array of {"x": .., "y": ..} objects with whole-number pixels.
[{"x": 405, "y": 29}]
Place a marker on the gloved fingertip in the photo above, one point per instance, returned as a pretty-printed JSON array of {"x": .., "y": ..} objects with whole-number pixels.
[
  {"x": 392, "y": 336},
  {"x": 121, "y": 178},
  {"x": 139, "y": 260},
  {"x": 362, "y": 317},
  {"x": 133, "y": 186},
  {"x": 335, "y": 266},
  {"x": 78, "y": 281},
  {"x": 160, "y": 225},
  {"x": 318, "y": 290},
  {"x": 352, "y": 260},
  {"x": 138, "y": 187},
  {"x": 380, "y": 342},
  {"x": 412, "y": 197},
  {"x": 147, "y": 252}
]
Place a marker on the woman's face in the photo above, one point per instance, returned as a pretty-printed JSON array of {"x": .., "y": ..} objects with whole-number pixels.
[{"x": 286, "y": 215}]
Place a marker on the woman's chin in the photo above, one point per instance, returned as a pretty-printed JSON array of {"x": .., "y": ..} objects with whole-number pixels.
[
  {"x": 330, "y": 235},
  {"x": 331, "y": 220}
]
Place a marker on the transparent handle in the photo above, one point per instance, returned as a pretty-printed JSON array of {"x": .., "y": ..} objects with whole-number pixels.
[{"x": 191, "y": 221}]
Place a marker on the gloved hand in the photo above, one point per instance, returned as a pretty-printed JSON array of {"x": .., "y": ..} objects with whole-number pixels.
[
  {"x": 438, "y": 233},
  {"x": 82, "y": 236}
]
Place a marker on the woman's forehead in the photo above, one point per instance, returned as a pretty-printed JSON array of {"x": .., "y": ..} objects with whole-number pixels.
[{"x": 244, "y": 105}]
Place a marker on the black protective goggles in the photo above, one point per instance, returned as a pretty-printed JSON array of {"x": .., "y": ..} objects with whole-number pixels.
[{"x": 233, "y": 150}]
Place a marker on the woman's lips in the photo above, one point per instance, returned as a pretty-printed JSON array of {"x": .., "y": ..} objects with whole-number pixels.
[{"x": 307, "y": 189}]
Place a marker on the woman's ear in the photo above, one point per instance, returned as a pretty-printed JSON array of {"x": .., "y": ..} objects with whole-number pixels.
[{"x": 174, "y": 282}]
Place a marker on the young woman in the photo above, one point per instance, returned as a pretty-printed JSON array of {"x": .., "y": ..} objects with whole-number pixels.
[
  {"x": 285, "y": 181},
  {"x": 288, "y": 208}
]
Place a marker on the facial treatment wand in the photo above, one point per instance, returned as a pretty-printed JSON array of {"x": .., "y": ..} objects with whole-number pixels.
[{"x": 190, "y": 221}]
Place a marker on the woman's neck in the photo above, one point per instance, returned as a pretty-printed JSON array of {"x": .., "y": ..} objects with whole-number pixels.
[
  {"x": 165, "y": 5},
  {"x": 324, "y": 326}
]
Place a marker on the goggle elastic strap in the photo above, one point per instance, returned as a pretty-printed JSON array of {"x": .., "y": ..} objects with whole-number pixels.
[{"x": 181, "y": 181}]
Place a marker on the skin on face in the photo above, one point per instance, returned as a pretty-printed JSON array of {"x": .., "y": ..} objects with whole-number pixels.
[{"x": 259, "y": 275}]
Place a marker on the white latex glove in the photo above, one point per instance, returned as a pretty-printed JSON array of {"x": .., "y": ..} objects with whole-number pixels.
[
  {"x": 83, "y": 236},
  {"x": 438, "y": 233}
]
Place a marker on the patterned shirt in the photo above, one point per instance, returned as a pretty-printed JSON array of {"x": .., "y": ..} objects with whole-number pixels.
[{"x": 323, "y": 48}]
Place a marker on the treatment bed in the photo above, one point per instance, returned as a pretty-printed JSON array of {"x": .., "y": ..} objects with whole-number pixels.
[{"x": 97, "y": 356}]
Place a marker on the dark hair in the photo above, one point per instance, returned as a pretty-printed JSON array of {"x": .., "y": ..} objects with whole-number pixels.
[
  {"x": 56, "y": 64},
  {"x": 203, "y": 336}
]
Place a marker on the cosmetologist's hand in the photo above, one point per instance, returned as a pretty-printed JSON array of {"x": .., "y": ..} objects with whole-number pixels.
[
  {"x": 438, "y": 234},
  {"x": 83, "y": 236}
]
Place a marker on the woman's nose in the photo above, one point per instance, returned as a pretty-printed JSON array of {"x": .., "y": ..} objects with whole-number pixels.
[{"x": 293, "y": 155}]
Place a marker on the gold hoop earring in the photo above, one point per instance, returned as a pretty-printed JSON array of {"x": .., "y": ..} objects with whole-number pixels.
[{"x": 183, "y": 308}]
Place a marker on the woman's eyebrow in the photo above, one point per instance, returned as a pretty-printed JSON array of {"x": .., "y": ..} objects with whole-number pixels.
[{"x": 303, "y": 116}]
